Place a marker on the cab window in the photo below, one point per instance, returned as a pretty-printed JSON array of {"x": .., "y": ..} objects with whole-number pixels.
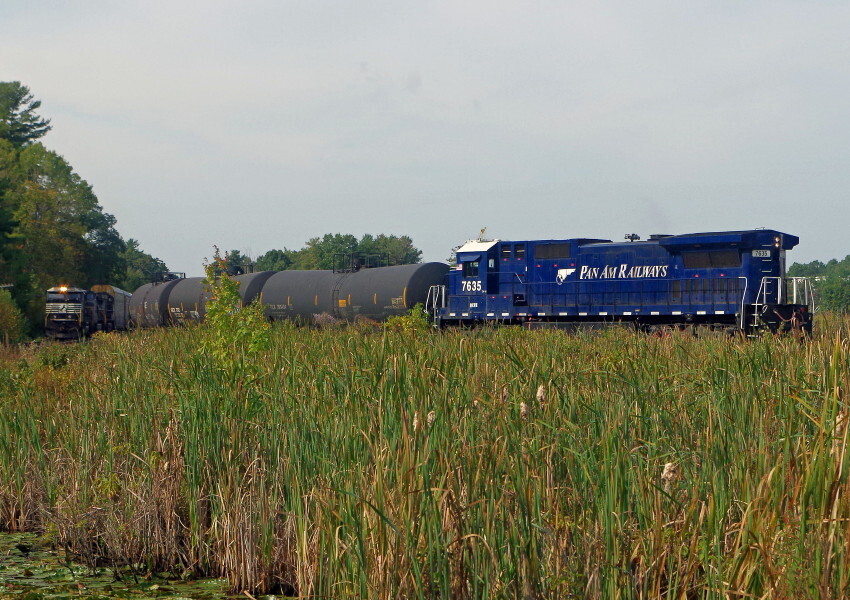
[{"x": 470, "y": 269}]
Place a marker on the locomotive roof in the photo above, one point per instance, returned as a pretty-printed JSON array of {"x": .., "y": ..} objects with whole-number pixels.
[
  {"x": 477, "y": 245},
  {"x": 743, "y": 238}
]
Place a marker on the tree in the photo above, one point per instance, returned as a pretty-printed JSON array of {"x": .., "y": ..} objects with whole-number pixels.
[
  {"x": 139, "y": 267},
  {"x": 812, "y": 269},
  {"x": 831, "y": 282},
  {"x": 400, "y": 249},
  {"x": 237, "y": 263},
  {"x": 322, "y": 252},
  {"x": 833, "y": 293},
  {"x": 18, "y": 122},
  {"x": 59, "y": 232},
  {"x": 275, "y": 260},
  {"x": 12, "y": 323}
]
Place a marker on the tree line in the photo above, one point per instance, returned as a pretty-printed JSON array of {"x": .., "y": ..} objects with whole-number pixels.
[
  {"x": 334, "y": 251},
  {"x": 52, "y": 227}
]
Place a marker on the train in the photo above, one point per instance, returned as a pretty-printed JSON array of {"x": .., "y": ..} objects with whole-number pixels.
[
  {"x": 73, "y": 313},
  {"x": 730, "y": 280},
  {"x": 733, "y": 281}
]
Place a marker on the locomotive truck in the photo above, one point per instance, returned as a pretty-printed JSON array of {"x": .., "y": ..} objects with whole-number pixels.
[{"x": 73, "y": 313}]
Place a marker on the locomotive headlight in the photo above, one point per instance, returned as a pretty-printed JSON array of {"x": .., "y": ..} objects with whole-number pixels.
[
  {"x": 63, "y": 289},
  {"x": 777, "y": 241}
]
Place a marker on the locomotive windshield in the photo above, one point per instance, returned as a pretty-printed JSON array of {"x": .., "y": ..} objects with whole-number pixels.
[{"x": 67, "y": 297}]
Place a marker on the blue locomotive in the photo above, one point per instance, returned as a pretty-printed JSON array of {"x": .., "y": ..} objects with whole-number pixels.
[{"x": 732, "y": 280}]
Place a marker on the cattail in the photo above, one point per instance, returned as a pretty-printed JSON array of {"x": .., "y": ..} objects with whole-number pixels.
[
  {"x": 841, "y": 422},
  {"x": 523, "y": 410},
  {"x": 430, "y": 418},
  {"x": 541, "y": 394},
  {"x": 838, "y": 432},
  {"x": 416, "y": 421},
  {"x": 669, "y": 476}
]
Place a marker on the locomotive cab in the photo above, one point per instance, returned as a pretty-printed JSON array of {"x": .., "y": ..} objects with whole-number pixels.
[{"x": 472, "y": 278}]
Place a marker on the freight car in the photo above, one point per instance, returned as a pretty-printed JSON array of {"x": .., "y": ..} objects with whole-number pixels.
[
  {"x": 733, "y": 280},
  {"x": 74, "y": 313},
  {"x": 372, "y": 293}
]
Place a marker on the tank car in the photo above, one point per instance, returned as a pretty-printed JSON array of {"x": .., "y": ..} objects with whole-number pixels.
[
  {"x": 374, "y": 293},
  {"x": 149, "y": 304},
  {"x": 734, "y": 280}
]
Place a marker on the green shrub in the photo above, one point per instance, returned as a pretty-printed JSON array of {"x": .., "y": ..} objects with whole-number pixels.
[
  {"x": 233, "y": 330},
  {"x": 416, "y": 319}
]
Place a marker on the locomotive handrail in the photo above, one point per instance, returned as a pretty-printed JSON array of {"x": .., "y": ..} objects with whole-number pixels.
[
  {"x": 807, "y": 292},
  {"x": 435, "y": 300},
  {"x": 761, "y": 297}
]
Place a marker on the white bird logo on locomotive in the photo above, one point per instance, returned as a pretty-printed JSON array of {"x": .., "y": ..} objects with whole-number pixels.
[{"x": 563, "y": 274}]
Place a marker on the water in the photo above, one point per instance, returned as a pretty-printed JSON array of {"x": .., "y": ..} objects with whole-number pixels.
[{"x": 29, "y": 570}]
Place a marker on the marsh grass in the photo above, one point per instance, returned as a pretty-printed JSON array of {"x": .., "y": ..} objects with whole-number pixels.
[{"x": 495, "y": 463}]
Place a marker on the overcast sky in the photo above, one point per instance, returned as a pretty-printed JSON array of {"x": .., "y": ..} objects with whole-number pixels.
[{"x": 259, "y": 124}]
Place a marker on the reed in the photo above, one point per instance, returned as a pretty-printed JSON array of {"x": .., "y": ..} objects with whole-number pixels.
[{"x": 351, "y": 462}]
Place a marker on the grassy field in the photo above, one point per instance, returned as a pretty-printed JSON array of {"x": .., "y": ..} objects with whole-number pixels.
[{"x": 365, "y": 463}]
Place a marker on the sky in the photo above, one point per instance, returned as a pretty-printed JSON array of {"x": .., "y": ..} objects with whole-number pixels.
[{"x": 259, "y": 124}]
